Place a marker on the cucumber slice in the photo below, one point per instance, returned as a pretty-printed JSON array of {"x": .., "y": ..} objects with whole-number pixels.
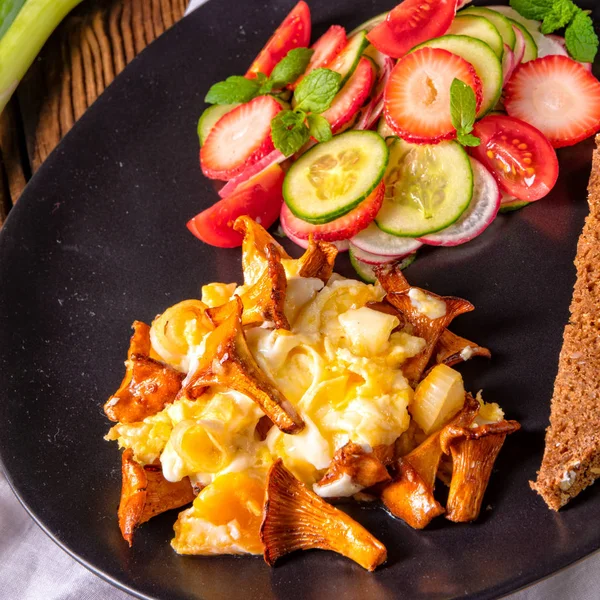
[
  {"x": 534, "y": 39},
  {"x": 333, "y": 177},
  {"x": 499, "y": 21},
  {"x": 384, "y": 130},
  {"x": 512, "y": 14},
  {"x": 368, "y": 25},
  {"x": 480, "y": 28},
  {"x": 208, "y": 119},
  {"x": 366, "y": 272},
  {"x": 347, "y": 60},
  {"x": 512, "y": 206},
  {"x": 510, "y": 203},
  {"x": 485, "y": 62},
  {"x": 376, "y": 57},
  {"x": 427, "y": 188}
]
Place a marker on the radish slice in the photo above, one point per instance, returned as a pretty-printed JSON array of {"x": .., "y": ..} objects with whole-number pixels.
[
  {"x": 372, "y": 259},
  {"x": 272, "y": 158},
  {"x": 374, "y": 241},
  {"x": 553, "y": 47},
  {"x": 509, "y": 64},
  {"x": 372, "y": 111},
  {"x": 478, "y": 216},
  {"x": 519, "y": 50},
  {"x": 342, "y": 245},
  {"x": 561, "y": 42}
]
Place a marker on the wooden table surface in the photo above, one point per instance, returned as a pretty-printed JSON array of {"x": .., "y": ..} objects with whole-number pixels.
[{"x": 85, "y": 53}]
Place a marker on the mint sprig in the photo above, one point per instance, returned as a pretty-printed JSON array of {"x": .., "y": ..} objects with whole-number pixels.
[
  {"x": 291, "y": 129},
  {"x": 580, "y": 36},
  {"x": 289, "y": 68},
  {"x": 532, "y": 9},
  {"x": 234, "y": 89},
  {"x": 559, "y": 16},
  {"x": 319, "y": 127},
  {"x": 238, "y": 89},
  {"x": 463, "y": 110},
  {"x": 317, "y": 90},
  {"x": 289, "y": 132}
]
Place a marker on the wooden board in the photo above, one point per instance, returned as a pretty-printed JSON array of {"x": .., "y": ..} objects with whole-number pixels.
[{"x": 92, "y": 45}]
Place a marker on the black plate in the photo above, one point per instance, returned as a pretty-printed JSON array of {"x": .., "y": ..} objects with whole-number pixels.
[{"x": 98, "y": 239}]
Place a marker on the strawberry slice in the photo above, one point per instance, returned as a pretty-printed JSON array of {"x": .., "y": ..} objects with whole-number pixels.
[
  {"x": 343, "y": 228},
  {"x": 417, "y": 97},
  {"x": 329, "y": 45},
  {"x": 239, "y": 139},
  {"x": 352, "y": 96},
  {"x": 558, "y": 96}
]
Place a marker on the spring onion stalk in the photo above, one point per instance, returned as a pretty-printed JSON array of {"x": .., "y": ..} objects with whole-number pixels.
[{"x": 32, "y": 24}]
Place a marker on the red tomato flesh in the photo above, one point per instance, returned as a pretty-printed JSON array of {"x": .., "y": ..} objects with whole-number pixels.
[
  {"x": 412, "y": 22},
  {"x": 260, "y": 198},
  {"x": 294, "y": 32},
  {"x": 519, "y": 156}
]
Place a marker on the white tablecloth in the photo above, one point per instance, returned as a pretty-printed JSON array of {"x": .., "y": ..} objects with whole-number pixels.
[{"x": 33, "y": 567}]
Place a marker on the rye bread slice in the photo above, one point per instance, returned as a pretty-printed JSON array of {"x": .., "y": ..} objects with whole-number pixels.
[{"x": 572, "y": 454}]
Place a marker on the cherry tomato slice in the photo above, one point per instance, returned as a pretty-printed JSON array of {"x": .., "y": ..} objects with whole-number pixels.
[
  {"x": 411, "y": 23},
  {"x": 294, "y": 32},
  {"x": 259, "y": 198},
  {"x": 519, "y": 156}
]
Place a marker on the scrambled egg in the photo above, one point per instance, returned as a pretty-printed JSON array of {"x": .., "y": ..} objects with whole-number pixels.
[{"x": 338, "y": 366}]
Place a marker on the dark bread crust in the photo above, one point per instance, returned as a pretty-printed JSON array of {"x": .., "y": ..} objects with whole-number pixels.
[{"x": 572, "y": 455}]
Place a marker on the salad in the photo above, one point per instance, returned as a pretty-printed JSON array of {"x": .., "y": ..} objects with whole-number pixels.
[{"x": 418, "y": 127}]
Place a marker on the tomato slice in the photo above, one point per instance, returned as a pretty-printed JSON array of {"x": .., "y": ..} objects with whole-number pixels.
[
  {"x": 260, "y": 198},
  {"x": 294, "y": 32},
  {"x": 519, "y": 156},
  {"x": 412, "y": 22}
]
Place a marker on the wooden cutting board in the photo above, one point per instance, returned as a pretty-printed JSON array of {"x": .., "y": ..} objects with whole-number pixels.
[{"x": 85, "y": 53}]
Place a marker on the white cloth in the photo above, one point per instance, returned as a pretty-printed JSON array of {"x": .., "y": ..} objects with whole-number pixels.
[{"x": 33, "y": 567}]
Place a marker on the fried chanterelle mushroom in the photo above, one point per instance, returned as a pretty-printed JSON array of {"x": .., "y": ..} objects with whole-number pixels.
[
  {"x": 294, "y": 518},
  {"x": 263, "y": 301},
  {"x": 145, "y": 493},
  {"x": 352, "y": 468},
  {"x": 474, "y": 451},
  {"x": 427, "y": 313},
  {"x": 227, "y": 361},
  {"x": 148, "y": 385}
]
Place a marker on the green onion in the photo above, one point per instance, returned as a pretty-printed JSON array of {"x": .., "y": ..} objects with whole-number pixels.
[{"x": 24, "y": 29}]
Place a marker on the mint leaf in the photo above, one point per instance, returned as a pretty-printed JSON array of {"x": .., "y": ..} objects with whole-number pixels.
[
  {"x": 561, "y": 13},
  {"x": 319, "y": 128},
  {"x": 467, "y": 139},
  {"x": 234, "y": 89},
  {"x": 290, "y": 67},
  {"x": 317, "y": 90},
  {"x": 532, "y": 9},
  {"x": 463, "y": 109},
  {"x": 463, "y": 106},
  {"x": 581, "y": 39},
  {"x": 289, "y": 132}
]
